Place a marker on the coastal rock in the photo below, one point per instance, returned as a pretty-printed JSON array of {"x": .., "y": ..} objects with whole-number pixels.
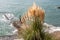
[
  {"x": 58, "y": 7},
  {"x": 50, "y": 28}
]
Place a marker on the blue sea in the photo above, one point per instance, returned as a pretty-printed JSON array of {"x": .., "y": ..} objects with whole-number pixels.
[{"x": 19, "y": 7}]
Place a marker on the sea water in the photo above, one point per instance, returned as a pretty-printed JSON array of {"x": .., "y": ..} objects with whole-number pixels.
[{"x": 19, "y": 7}]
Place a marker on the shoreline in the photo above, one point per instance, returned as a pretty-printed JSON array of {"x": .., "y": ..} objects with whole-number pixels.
[
  {"x": 10, "y": 37},
  {"x": 48, "y": 29}
]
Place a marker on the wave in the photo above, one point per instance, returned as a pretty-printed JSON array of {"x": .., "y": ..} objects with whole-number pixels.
[
  {"x": 6, "y": 17},
  {"x": 9, "y": 18},
  {"x": 50, "y": 28}
]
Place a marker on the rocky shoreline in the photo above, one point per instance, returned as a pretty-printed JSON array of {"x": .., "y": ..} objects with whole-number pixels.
[
  {"x": 55, "y": 35},
  {"x": 10, "y": 37}
]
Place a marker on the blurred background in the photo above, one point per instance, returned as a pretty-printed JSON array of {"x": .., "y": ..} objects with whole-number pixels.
[{"x": 19, "y": 7}]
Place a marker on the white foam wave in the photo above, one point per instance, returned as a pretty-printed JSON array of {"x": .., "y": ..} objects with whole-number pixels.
[
  {"x": 5, "y": 16},
  {"x": 8, "y": 18},
  {"x": 9, "y": 21},
  {"x": 15, "y": 31},
  {"x": 50, "y": 28}
]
